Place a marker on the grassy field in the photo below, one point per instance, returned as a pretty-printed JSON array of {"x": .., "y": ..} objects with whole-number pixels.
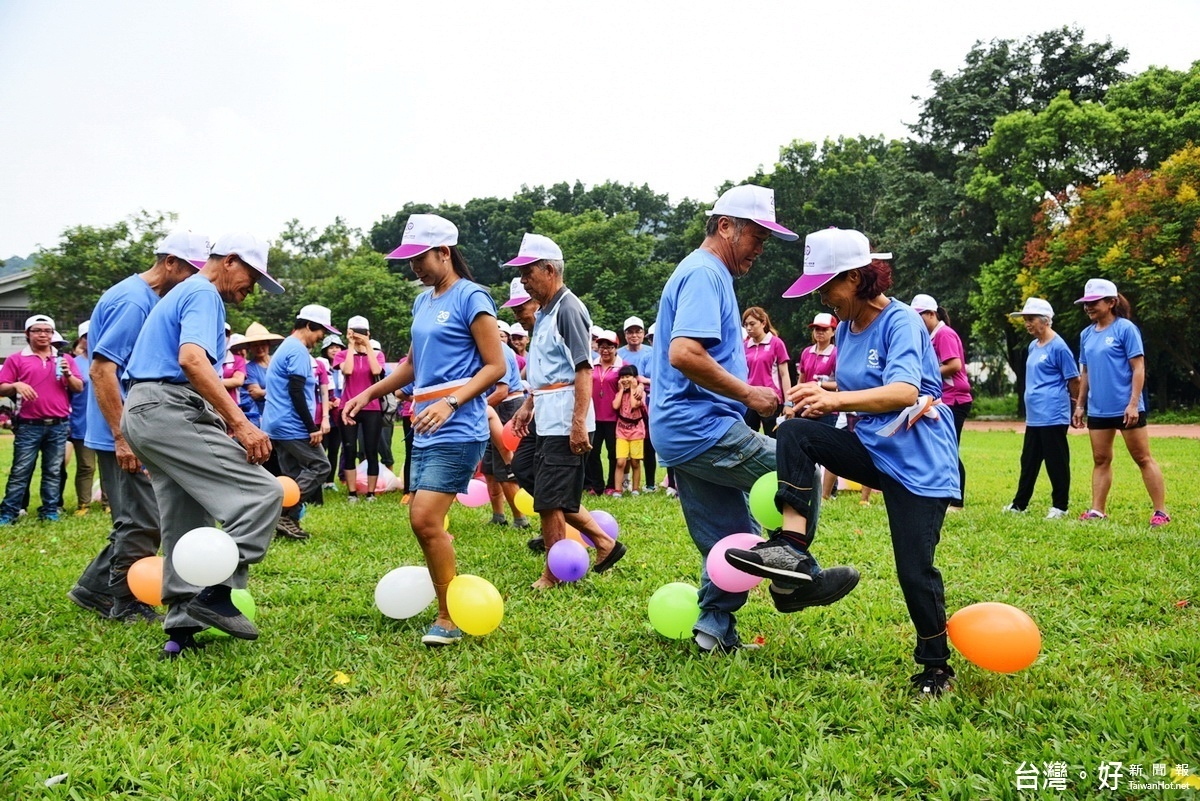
[{"x": 575, "y": 696}]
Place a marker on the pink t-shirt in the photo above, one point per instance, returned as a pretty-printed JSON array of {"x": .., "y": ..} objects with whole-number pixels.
[
  {"x": 604, "y": 390},
  {"x": 813, "y": 364},
  {"x": 631, "y": 422},
  {"x": 53, "y": 399},
  {"x": 361, "y": 378},
  {"x": 322, "y": 374},
  {"x": 763, "y": 360},
  {"x": 234, "y": 363},
  {"x": 947, "y": 346}
]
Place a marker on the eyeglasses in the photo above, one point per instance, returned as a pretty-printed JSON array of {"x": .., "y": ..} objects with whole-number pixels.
[
  {"x": 41, "y": 330},
  {"x": 606, "y": 345}
]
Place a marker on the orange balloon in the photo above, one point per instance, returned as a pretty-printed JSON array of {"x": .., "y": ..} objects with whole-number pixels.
[
  {"x": 995, "y": 636},
  {"x": 145, "y": 579},
  {"x": 573, "y": 534},
  {"x": 291, "y": 491},
  {"x": 511, "y": 440}
]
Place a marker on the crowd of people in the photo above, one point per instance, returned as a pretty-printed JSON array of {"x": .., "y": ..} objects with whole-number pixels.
[{"x": 879, "y": 398}]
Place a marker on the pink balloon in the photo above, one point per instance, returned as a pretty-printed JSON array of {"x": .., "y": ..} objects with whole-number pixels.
[
  {"x": 725, "y": 575},
  {"x": 476, "y": 494}
]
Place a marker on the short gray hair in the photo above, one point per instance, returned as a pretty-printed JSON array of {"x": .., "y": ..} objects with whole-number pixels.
[{"x": 556, "y": 264}]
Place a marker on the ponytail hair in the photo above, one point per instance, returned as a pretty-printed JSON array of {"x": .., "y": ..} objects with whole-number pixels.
[
  {"x": 459, "y": 263},
  {"x": 1121, "y": 307},
  {"x": 943, "y": 316}
]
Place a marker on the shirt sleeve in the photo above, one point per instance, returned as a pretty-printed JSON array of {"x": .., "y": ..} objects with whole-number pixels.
[
  {"x": 574, "y": 325},
  {"x": 201, "y": 319},
  {"x": 8, "y": 373},
  {"x": 698, "y": 293},
  {"x": 1131, "y": 340},
  {"x": 1067, "y": 366},
  {"x": 903, "y": 351},
  {"x": 120, "y": 332},
  {"x": 781, "y": 352}
]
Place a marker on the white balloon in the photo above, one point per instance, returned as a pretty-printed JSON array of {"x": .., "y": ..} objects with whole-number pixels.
[
  {"x": 404, "y": 592},
  {"x": 205, "y": 556}
]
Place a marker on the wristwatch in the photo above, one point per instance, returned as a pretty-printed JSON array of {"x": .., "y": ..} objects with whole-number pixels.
[{"x": 452, "y": 402}]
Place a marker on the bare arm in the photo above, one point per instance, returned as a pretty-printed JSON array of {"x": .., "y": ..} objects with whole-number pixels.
[
  {"x": 107, "y": 387},
  {"x": 689, "y": 357},
  {"x": 194, "y": 361},
  {"x": 1079, "y": 399},
  {"x": 580, "y": 441},
  {"x": 813, "y": 401},
  {"x": 950, "y": 367}
]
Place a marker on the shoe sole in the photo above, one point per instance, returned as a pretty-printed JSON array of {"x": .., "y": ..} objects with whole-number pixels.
[
  {"x": 83, "y": 603},
  {"x": 617, "y": 554},
  {"x": 781, "y": 605},
  {"x": 239, "y": 626},
  {"x": 439, "y": 642},
  {"x": 763, "y": 571}
]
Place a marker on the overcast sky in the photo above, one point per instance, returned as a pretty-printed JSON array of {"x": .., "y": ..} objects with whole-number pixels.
[{"x": 243, "y": 115}]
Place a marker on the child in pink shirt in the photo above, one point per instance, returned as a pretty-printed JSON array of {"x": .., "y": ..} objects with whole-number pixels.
[{"x": 630, "y": 406}]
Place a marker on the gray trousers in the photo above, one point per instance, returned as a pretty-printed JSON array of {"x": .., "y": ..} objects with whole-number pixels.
[
  {"x": 200, "y": 475},
  {"x": 306, "y": 463},
  {"x": 134, "y": 532}
]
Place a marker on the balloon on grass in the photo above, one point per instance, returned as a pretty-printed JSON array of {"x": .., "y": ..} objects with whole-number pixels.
[
  {"x": 145, "y": 579},
  {"x": 509, "y": 438},
  {"x": 404, "y": 592},
  {"x": 674, "y": 610},
  {"x": 291, "y": 491},
  {"x": 474, "y": 604},
  {"x": 995, "y": 636},
  {"x": 523, "y": 502},
  {"x": 567, "y": 560},
  {"x": 575, "y": 535},
  {"x": 244, "y": 603},
  {"x": 762, "y": 501},
  {"x": 725, "y": 575},
  {"x": 607, "y": 523},
  {"x": 205, "y": 556},
  {"x": 476, "y": 494}
]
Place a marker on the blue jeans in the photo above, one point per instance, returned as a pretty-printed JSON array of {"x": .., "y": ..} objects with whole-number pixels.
[
  {"x": 28, "y": 441},
  {"x": 712, "y": 494}
]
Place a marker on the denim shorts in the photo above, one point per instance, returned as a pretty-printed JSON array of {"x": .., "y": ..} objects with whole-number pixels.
[{"x": 446, "y": 467}]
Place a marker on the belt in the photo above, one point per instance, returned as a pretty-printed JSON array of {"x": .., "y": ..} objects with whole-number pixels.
[
  {"x": 158, "y": 381},
  {"x": 41, "y": 421}
]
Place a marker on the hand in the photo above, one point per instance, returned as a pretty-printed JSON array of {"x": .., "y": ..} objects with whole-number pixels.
[
  {"x": 431, "y": 418},
  {"x": 352, "y": 408},
  {"x": 813, "y": 401},
  {"x": 126, "y": 459},
  {"x": 255, "y": 441},
  {"x": 1131, "y": 414},
  {"x": 1077, "y": 418},
  {"x": 581, "y": 443},
  {"x": 762, "y": 400},
  {"x": 315, "y": 437},
  {"x": 520, "y": 421},
  {"x": 789, "y": 412},
  {"x": 25, "y": 391},
  {"x": 325, "y": 428}
]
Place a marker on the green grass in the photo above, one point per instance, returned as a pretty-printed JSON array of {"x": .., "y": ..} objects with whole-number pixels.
[{"x": 576, "y": 697}]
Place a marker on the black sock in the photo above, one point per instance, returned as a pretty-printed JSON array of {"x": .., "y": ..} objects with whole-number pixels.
[
  {"x": 353, "y": 494},
  {"x": 217, "y": 598},
  {"x": 796, "y": 539}
]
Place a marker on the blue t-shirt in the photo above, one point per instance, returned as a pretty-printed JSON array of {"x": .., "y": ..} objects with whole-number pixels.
[
  {"x": 689, "y": 419},
  {"x": 78, "y": 420},
  {"x": 512, "y": 372},
  {"x": 256, "y": 374},
  {"x": 1047, "y": 370},
  {"x": 116, "y": 322},
  {"x": 444, "y": 356},
  {"x": 639, "y": 358},
  {"x": 191, "y": 314},
  {"x": 895, "y": 348},
  {"x": 279, "y": 418},
  {"x": 1106, "y": 356}
]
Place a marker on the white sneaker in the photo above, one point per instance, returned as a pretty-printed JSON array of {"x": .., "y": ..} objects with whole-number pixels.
[
  {"x": 671, "y": 492},
  {"x": 1055, "y": 513},
  {"x": 1013, "y": 509}
]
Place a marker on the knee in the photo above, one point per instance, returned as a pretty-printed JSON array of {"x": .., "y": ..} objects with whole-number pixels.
[{"x": 1101, "y": 459}]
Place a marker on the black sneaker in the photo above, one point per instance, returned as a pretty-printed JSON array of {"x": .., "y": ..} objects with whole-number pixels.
[
  {"x": 830, "y": 585},
  {"x": 212, "y": 607},
  {"x": 93, "y": 601},
  {"x": 773, "y": 559},
  {"x": 537, "y": 545},
  {"x": 179, "y": 645},
  {"x": 135, "y": 611},
  {"x": 289, "y": 528},
  {"x": 933, "y": 680}
]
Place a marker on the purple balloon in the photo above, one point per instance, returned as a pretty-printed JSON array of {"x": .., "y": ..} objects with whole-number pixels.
[
  {"x": 567, "y": 560},
  {"x": 607, "y": 522}
]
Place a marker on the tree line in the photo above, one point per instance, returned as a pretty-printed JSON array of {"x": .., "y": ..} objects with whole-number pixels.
[{"x": 1035, "y": 165}]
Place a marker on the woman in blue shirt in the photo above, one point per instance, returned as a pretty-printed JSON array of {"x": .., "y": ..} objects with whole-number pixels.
[
  {"x": 1113, "y": 375},
  {"x": 903, "y": 444},
  {"x": 1051, "y": 382},
  {"x": 454, "y": 359}
]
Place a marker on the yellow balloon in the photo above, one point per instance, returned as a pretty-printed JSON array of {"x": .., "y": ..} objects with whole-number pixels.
[
  {"x": 446, "y": 524},
  {"x": 524, "y": 502},
  {"x": 475, "y": 605}
]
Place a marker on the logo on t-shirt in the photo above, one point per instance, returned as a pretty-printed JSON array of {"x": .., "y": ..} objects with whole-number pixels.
[
  {"x": 873, "y": 358},
  {"x": 1043, "y": 357},
  {"x": 1110, "y": 341},
  {"x": 443, "y": 316}
]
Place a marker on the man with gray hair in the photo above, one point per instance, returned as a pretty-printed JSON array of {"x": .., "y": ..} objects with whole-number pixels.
[{"x": 559, "y": 371}]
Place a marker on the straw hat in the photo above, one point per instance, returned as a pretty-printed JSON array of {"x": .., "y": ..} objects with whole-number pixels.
[{"x": 257, "y": 334}]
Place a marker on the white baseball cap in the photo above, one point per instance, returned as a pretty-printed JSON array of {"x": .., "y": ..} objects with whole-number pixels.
[
  {"x": 756, "y": 203},
  {"x": 595, "y": 330},
  {"x": 516, "y": 294},
  {"x": 321, "y": 315},
  {"x": 424, "y": 231},
  {"x": 252, "y": 251},
  {"x": 236, "y": 341},
  {"x": 923, "y": 303},
  {"x": 535, "y": 247},
  {"x": 828, "y": 253},
  {"x": 824, "y": 320},
  {"x": 608, "y": 336},
  {"x": 375, "y": 344},
  {"x": 1094, "y": 289},
  {"x": 650, "y": 330},
  {"x": 503, "y": 326},
  {"x": 58, "y": 339},
  {"x": 517, "y": 330},
  {"x": 1035, "y": 306},
  {"x": 30, "y": 322},
  {"x": 358, "y": 321},
  {"x": 83, "y": 329},
  {"x": 192, "y": 248},
  {"x": 633, "y": 322}
]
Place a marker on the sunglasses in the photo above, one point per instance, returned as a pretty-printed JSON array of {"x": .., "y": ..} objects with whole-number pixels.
[{"x": 360, "y": 331}]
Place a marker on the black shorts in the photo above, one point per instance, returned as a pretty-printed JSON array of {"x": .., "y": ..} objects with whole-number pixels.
[
  {"x": 558, "y": 480},
  {"x": 1109, "y": 423},
  {"x": 493, "y": 464}
]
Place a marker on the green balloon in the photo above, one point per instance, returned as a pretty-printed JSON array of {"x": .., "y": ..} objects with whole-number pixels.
[
  {"x": 674, "y": 610},
  {"x": 762, "y": 501},
  {"x": 245, "y": 604}
]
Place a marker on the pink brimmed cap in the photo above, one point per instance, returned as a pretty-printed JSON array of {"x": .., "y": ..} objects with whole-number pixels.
[
  {"x": 535, "y": 247},
  {"x": 756, "y": 203},
  {"x": 251, "y": 250},
  {"x": 828, "y": 253},
  {"x": 1097, "y": 289},
  {"x": 192, "y": 248},
  {"x": 516, "y": 294},
  {"x": 424, "y": 231}
]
